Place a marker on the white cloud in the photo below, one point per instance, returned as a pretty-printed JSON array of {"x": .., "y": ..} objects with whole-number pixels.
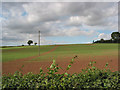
[
  {"x": 76, "y": 20},
  {"x": 78, "y": 32},
  {"x": 104, "y": 36},
  {"x": 57, "y": 19}
]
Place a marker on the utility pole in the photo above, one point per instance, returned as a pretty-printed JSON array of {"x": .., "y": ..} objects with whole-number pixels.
[{"x": 39, "y": 42}]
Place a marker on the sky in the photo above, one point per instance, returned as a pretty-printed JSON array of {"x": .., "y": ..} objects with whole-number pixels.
[{"x": 59, "y": 23}]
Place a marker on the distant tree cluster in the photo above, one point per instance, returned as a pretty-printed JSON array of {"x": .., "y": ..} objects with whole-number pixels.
[
  {"x": 31, "y": 42},
  {"x": 115, "y": 38}
]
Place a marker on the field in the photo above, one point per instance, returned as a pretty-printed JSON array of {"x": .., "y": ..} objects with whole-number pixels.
[{"x": 28, "y": 59}]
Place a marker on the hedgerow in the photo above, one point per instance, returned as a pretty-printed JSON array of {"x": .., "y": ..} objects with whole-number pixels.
[{"x": 91, "y": 77}]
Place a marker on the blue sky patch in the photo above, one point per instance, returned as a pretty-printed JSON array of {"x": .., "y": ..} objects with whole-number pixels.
[{"x": 24, "y": 13}]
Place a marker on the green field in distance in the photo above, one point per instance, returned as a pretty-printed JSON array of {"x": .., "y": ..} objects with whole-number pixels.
[{"x": 70, "y": 50}]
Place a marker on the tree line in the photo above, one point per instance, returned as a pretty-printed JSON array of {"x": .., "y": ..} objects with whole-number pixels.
[{"x": 115, "y": 38}]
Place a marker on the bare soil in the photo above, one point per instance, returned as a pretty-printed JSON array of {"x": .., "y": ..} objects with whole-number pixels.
[{"x": 79, "y": 64}]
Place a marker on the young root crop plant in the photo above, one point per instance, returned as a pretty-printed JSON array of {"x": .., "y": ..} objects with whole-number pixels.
[{"x": 91, "y": 77}]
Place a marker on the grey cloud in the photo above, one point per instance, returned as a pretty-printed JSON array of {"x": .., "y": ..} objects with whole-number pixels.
[{"x": 53, "y": 19}]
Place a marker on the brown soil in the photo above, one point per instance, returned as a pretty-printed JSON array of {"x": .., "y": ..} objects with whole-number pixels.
[
  {"x": 16, "y": 65},
  {"x": 80, "y": 63}
]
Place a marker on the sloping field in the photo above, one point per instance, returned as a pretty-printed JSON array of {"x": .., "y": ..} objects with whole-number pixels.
[
  {"x": 14, "y": 53},
  {"x": 14, "y": 58},
  {"x": 91, "y": 50}
]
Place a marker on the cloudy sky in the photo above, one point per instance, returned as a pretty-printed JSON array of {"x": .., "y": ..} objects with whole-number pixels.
[{"x": 59, "y": 23}]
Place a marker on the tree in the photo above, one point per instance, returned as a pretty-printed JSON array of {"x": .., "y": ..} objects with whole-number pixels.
[
  {"x": 29, "y": 42},
  {"x": 115, "y": 35},
  {"x": 102, "y": 40},
  {"x": 23, "y": 45},
  {"x": 35, "y": 43},
  {"x": 115, "y": 38}
]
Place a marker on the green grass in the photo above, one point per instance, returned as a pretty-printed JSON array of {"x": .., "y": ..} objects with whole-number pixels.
[
  {"x": 13, "y": 53},
  {"x": 14, "y": 47},
  {"x": 81, "y": 50},
  {"x": 9, "y": 54}
]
